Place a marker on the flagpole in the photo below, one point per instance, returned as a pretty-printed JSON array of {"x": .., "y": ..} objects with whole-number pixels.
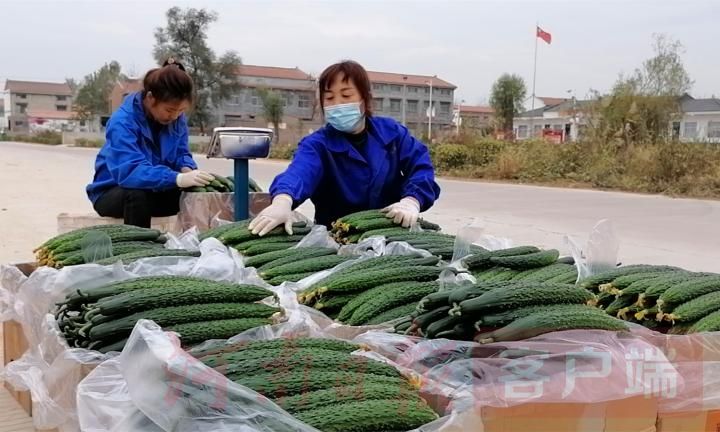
[{"x": 532, "y": 104}]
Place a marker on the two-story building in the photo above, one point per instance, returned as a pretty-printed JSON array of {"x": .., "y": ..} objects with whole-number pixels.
[
  {"x": 407, "y": 98},
  {"x": 476, "y": 118},
  {"x": 38, "y": 105},
  {"x": 297, "y": 89}
]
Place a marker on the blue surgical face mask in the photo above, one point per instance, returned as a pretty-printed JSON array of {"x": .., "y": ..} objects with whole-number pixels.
[{"x": 344, "y": 117}]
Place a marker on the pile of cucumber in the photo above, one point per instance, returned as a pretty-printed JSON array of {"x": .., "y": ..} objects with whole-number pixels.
[{"x": 224, "y": 185}]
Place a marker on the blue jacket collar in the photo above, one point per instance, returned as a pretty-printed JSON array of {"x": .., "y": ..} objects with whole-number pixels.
[
  {"x": 133, "y": 105},
  {"x": 340, "y": 144}
]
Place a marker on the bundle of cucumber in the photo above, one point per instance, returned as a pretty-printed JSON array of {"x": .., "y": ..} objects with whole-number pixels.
[
  {"x": 224, "y": 184},
  {"x": 292, "y": 265},
  {"x": 102, "y": 318},
  {"x": 662, "y": 298},
  {"x": 321, "y": 383},
  {"x": 120, "y": 241},
  {"x": 238, "y": 236},
  {"x": 506, "y": 311},
  {"x": 438, "y": 244},
  {"x": 349, "y": 229},
  {"x": 374, "y": 290}
]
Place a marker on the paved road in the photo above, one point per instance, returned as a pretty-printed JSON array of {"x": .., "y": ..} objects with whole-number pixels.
[{"x": 38, "y": 182}]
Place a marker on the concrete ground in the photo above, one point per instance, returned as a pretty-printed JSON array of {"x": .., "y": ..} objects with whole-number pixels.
[{"x": 37, "y": 182}]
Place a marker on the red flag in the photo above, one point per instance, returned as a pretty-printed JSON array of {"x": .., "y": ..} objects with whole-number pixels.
[{"x": 542, "y": 34}]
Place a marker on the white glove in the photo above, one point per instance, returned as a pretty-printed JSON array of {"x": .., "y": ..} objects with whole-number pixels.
[
  {"x": 193, "y": 178},
  {"x": 278, "y": 213},
  {"x": 405, "y": 212}
]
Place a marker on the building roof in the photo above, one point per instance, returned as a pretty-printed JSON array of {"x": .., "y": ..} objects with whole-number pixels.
[
  {"x": 130, "y": 85},
  {"x": 689, "y": 104},
  {"x": 563, "y": 107},
  {"x": 414, "y": 80},
  {"x": 550, "y": 101},
  {"x": 273, "y": 72},
  {"x": 50, "y": 114},
  {"x": 479, "y": 109},
  {"x": 37, "y": 87}
]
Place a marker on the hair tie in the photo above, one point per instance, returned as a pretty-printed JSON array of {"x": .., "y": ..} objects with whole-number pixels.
[{"x": 172, "y": 62}]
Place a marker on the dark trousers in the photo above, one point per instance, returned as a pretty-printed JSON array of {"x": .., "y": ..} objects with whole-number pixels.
[{"x": 136, "y": 206}]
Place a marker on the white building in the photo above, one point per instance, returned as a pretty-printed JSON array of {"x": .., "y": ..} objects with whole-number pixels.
[
  {"x": 563, "y": 120},
  {"x": 4, "y": 110},
  {"x": 700, "y": 120}
]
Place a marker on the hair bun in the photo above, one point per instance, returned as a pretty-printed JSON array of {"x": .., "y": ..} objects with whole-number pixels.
[{"x": 172, "y": 62}]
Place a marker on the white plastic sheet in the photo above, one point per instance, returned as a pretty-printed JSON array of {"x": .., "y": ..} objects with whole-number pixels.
[{"x": 50, "y": 370}]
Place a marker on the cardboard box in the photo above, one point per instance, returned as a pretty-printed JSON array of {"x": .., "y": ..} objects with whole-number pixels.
[
  {"x": 14, "y": 345},
  {"x": 697, "y": 421},
  {"x": 636, "y": 414}
]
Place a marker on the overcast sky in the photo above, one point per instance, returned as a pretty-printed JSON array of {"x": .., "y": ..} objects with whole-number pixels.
[{"x": 469, "y": 43}]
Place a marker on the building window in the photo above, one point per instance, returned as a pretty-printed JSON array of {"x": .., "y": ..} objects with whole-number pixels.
[
  {"x": 61, "y": 98},
  {"x": 427, "y": 90},
  {"x": 446, "y": 92},
  {"x": 412, "y": 106},
  {"x": 690, "y": 130},
  {"x": 21, "y": 96},
  {"x": 557, "y": 127},
  {"x": 537, "y": 130},
  {"x": 286, "y": 99},
  {"x": 234, "y": 100},
  {"x": 395, "y": 105},
  {"x": 254, "y": 97},
  {"x": 413, "y": 89},
  {"x": 444, "y": 107},
  {"x": 378, "y": 87},
  {"x": 522, "y": 131},
  {"x": 61, "y": 107},
  {"x": 378, "y": 104},
  {"x": 395, "y": 88},
  {"x": 18, "y": 123},
  {"x": 22, "y": 107},
  {"x": 713, "y": 129},
  {"x": 426, "y": 106},
  {"x": 304, "y": 101}
]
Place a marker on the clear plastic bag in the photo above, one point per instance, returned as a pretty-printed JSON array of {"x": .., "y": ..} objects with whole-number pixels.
[
  {"x": 160, "y": 387},
  {"x": 600, "y": 253},
  {"x": 50, "y": 370}
]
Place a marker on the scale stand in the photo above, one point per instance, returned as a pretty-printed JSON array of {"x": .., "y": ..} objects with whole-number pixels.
[{"x": 240, "y": 144}]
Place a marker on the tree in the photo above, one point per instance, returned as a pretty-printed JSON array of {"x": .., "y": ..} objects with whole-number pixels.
[
  {"x": 94, "y": 93},
  {"x": 72, "y": 84},
  {"x": 273, "y": 109},
  {"x": 664, "y": 74},
  {"x": 506, "y": 98},
  {"x": 640, "y": 107},
  {"x": 185, "y": 38}
]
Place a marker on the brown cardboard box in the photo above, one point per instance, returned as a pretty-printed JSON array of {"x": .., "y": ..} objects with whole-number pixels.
[
  {"x": 636, "y": 414},
  {"x": 697, "y": 421},
  {"x": 15, "y": 344}
]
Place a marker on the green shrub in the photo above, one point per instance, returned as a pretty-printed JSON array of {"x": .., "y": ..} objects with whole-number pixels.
[{"x": 282, "y": 151}]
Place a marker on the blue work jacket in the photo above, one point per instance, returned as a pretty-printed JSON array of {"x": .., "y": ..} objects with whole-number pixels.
[
  {"x": 131, "y": 159},
  {"x": 338, "y": 179}
]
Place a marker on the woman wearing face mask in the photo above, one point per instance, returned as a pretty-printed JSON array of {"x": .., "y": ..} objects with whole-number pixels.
[
  {"x": 356, "y": 162},
  {"x": 146, "y": 157}
]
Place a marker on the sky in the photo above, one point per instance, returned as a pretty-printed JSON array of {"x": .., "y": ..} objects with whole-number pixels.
[{"x": 468, "y": 43}]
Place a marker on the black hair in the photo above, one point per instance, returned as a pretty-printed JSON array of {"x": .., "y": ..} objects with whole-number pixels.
[{"x": 169, "y": 82}]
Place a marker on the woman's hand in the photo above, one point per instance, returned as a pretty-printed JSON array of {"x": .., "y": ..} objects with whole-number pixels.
[
  {"x": 405, "y": 212},
  {"x": 193, "y": 178},
  {"x": 185, "y": 169},
  {"x": 278, "y": 213}
]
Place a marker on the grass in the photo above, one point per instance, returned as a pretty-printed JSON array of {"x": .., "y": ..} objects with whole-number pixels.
[{"x": 676, "y": 169}]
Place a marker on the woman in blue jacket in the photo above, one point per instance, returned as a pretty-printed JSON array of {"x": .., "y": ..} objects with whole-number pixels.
[
  {"x": 146, "y": 159},
  {"x": 356, "y": 162}
]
